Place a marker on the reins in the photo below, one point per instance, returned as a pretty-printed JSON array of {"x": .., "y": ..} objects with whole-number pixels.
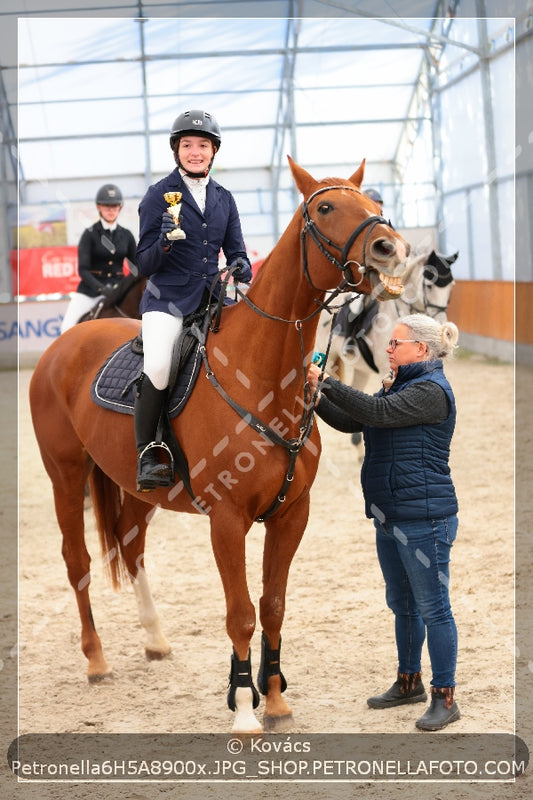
[{"x": 228, "y": 271}]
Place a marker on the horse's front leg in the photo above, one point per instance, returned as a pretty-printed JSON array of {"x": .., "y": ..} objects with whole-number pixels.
[
  {"x": 228, "y": 542},
  {"x": 283, "y": 535}
]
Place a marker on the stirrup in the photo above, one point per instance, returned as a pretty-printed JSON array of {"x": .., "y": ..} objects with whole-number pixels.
[{"x": 150, "y": 481}]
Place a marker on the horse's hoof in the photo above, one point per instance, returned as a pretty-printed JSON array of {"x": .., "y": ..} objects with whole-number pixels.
[
  {"x": 106, "y": 677},
  {"x": 245, "y": 720},
  {"x": 253, "y": 728},
  {"x": 281, "y": 724},
  {"x": 155, "y": 655}
]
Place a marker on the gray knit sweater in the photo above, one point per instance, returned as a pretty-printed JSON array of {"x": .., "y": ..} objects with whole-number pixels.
[{"x": 348, "y": 409}]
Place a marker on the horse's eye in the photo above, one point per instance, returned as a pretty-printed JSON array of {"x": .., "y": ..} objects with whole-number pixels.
[{"x": 325, "y": 208}]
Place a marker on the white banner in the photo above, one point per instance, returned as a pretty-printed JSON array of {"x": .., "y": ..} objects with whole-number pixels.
[{"x": 30, "y": 327}]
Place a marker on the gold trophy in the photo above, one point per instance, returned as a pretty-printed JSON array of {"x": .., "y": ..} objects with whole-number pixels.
[{"x": 173, "y": 199}]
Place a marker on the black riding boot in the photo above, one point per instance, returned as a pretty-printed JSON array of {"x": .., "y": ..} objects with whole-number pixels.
[
  {"x": 151, "y": 472},
  {"x": 407, "y": 688}
]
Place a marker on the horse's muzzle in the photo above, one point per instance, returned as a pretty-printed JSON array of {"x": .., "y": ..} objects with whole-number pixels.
[{"x": 384, "y": 249}]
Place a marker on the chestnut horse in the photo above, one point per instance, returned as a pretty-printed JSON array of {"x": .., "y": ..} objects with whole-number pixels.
[{"x": 243, "y": 468}]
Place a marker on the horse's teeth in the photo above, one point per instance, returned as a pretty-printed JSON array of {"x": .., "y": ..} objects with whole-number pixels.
[{"x": 393, "y": 283}]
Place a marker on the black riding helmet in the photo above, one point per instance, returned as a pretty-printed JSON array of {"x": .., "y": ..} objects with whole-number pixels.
[
  {"x": 194, "y": 123},
  {"x": 109, "y": 195}
]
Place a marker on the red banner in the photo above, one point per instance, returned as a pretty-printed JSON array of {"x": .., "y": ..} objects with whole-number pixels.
[{"x": 45, "y": 270}]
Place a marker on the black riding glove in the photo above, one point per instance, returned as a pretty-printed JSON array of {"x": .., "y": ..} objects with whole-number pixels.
[
  {"x": 243, "y": 272},
  {"x": 167, "y": 225},
  {"x": 108, "y": 290}
]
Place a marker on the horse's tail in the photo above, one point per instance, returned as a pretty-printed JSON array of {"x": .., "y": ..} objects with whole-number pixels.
[{"x": 107, "y": 502}]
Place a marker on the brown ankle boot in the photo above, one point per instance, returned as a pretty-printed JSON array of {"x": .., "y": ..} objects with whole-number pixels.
[
  {"x": 441, "y": 712},
  {"x": 407, "y": 688}
]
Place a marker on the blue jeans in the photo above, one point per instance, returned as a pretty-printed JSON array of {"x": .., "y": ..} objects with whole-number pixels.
[{"x": 414, "y": 557}]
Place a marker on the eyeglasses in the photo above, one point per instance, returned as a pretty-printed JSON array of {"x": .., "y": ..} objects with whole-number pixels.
[{"x": 393, "y": 343}]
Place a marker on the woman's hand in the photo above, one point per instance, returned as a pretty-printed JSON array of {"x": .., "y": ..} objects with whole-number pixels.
[{"x": 313, "y": 375}]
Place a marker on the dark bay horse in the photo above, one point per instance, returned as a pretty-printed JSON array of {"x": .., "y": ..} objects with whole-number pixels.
[
  {"x": 123, "y": 303},
  {"x": 240, "y": 471}
]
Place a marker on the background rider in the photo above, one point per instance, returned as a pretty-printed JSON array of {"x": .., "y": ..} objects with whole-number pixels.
[{"x": 102, "y": 249}]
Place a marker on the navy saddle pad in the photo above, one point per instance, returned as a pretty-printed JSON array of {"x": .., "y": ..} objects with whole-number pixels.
[{"x": 114, "y": 385}]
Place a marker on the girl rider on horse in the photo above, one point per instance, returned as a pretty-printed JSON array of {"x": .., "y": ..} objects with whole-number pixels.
[
  {"x": 101, "y": 252},
  {"x": 180, "y": 271}
]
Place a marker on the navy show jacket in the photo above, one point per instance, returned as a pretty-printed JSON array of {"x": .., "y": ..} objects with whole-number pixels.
[{"x": 178, "y": 278}]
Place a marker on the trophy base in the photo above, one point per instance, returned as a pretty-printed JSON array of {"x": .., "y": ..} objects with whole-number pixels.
[{"x": 177, "y": 234}]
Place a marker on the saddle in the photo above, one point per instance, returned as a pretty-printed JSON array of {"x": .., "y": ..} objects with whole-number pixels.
[{"x": 115, "y": 382}]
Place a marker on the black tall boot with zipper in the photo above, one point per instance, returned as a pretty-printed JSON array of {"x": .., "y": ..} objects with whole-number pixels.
[{"x": 151, "y": 472}]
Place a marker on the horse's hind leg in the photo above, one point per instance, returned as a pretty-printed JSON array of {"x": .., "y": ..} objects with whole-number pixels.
[
  {"x": 68, "y": 466},
  {"x": 69, "y": 496},
  {"x": 131, "y": 533}
]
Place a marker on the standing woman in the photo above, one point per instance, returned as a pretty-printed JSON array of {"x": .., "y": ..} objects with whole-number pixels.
[
  {"x": 408, "y": 427},
  {"x": 101, "y": 252},
  {"x": 181, "y": 271}
]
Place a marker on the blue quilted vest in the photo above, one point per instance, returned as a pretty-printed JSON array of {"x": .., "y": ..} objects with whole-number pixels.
[{"x": 405, "y": 474}]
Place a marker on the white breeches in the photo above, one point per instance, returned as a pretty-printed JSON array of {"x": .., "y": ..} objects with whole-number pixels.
[
  {"x": 79, "y": 305},
  {"x": 159, "y": 333}
]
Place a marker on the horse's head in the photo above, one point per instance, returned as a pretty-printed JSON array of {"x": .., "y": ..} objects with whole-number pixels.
[
  {"x": 342, "y": 222},
  {"x": 438, "y": 269}
]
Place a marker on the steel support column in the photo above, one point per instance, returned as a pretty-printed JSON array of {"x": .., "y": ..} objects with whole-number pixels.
[
  {"x": 490, "y": 145},
  {"x": 146, "y": 118},
  {"x": 8, "y": 160},
  {"x": 285, "y": 118}
]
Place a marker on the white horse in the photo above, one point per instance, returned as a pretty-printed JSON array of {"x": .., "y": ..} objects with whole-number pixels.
[{"x": 362, "y": 327}]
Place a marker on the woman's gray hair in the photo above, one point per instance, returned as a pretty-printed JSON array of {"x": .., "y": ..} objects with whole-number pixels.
[{"x": 441, "y": 340}]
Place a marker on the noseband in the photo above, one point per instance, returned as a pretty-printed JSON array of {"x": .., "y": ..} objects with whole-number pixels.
[{"x": 320, "y": 239}]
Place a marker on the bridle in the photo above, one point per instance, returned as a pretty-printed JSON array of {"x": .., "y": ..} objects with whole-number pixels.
[
  {"x": 343, "y": 264},
  {"x": 428, "y": 308}
]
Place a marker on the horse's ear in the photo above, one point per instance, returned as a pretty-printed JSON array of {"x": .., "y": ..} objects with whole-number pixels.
[
  {"x": 359, "y": 174},
  {"x": 303, "y": 180}
]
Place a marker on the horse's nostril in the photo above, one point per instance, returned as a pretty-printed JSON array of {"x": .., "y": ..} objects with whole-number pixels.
[{"x": 384, "y": 247}]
